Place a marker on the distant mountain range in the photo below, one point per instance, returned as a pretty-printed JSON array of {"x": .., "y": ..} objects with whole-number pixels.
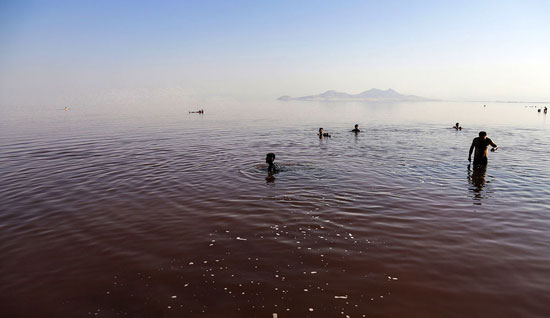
[{"x": 370, "y": 95}]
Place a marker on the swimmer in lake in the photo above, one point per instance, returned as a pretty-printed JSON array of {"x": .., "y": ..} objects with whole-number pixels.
[
  {"x": 545, "y": 110},
  {"x": 356, "y": 129},
  {"x": 480, "y": 144},
  {"x": 322, "y": 133},
  {"x": 457, "y": 126},
  {"x": 273, "y": 167}
]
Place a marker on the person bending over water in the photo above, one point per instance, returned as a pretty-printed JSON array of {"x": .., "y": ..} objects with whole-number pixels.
[
  {"x": 322, "y": 133},
  {"x": 480, "y": 144},
  {"x": 457, "y": 126},
  {"x": 356, "y": 129},
  {"x": 273, "y": 167}
]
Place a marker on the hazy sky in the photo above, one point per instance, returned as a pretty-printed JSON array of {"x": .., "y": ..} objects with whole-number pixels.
[{"x": 87, "y": 52}]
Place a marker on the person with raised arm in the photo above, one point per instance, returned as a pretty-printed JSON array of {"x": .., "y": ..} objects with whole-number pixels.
[{"x": 480, "y": 144}]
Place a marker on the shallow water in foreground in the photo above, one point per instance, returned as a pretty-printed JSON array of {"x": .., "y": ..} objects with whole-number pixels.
[{"x": 154, "y": 212}]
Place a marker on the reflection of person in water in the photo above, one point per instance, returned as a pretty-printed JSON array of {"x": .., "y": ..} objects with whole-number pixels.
[
  {"x": 480, "y": 144},
  {"x": 356, "y": 129},
  {"x": 322, "y": 133},
  {"x": 273, "y": 167},
  {"x": 477, "y": 178}
]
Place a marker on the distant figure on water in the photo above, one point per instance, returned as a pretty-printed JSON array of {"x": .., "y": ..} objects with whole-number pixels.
[
  {"x": 538, "y": 110},
  {"x": 480, "y": 144},
  {"x": 356, "y": 129},
  {"x": 200, "y": 111},
  {"x": 457, "y": 126},
  {"x": 272, "y": 167},
  {"x": 545, "y": 110},
  {"x": 322, "y": 133},
  {"x": 66, "y": 108}
]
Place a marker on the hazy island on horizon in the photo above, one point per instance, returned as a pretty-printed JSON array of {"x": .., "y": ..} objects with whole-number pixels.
[{"x": 372, "y": 94}]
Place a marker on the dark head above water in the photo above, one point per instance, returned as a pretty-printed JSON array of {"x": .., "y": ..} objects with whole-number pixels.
[
  {"x": 356, "y": 129},
  {"x": 269, "y": 158}
]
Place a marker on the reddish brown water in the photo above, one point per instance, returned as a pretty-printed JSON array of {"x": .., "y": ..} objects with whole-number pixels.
[{"x": 140, "y": 213}]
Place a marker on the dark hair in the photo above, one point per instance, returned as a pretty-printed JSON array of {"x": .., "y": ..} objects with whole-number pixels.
[
  {"x": 272, "y": 155},
  {"x": 482, "y": 134},
  {"x": 356, "y": 125},
  {"x": 320, "y": 128}
]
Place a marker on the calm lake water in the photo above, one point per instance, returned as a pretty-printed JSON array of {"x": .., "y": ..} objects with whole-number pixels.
[{"x": 155, "y": 212}]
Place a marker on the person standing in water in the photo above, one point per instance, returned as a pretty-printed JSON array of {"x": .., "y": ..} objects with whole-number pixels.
[
  {"x": 356, "y": 129},
  {"x": 273, "y": 167},
  {"x": 480, "y": 144}
]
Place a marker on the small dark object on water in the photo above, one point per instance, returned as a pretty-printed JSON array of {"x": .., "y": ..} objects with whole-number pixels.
[
  {"x": 457, "y": 126},
  {"x": 200, "y": 111},
  {"x": 356, "y": 129}
]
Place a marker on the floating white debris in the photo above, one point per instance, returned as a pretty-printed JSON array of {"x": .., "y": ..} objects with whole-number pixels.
[
  {"x": 314, "y": 272},
  {"x": 174, "y": 297},
  {"x": 310, "y": 309},
  {"x": 341, "y": 297},
  {"x": 191, "y": 263},
  {"x": 169, "y": 307},
  {"x": 305, "y": 289},
  {"x": 275, "y": 315},
  {"x": 240, "y": 238}
]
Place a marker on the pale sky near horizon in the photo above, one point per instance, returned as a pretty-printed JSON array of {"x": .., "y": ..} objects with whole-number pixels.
[{"x": 89, "y": 52}]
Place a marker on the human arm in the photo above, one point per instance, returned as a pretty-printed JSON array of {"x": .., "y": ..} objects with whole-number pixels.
[
  {"x": 471, "y": 149},
  {"x": 495, "y": 147}
]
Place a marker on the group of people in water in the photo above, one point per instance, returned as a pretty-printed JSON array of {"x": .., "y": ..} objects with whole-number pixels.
[
  {"x": 545, "y": 110},
  {"x": 322, "y": 132},
  {"x": 480, "y": 144}
]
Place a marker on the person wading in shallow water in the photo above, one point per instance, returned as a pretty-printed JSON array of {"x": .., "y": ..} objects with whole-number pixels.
[
  {"x": 480, "y": 144},
  {"x": 356, "y": 129},
  {"x": 273, "y": 167}
]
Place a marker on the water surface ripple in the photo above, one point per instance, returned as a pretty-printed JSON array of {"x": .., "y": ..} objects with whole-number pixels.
[{"x": 173, "y": 215}]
